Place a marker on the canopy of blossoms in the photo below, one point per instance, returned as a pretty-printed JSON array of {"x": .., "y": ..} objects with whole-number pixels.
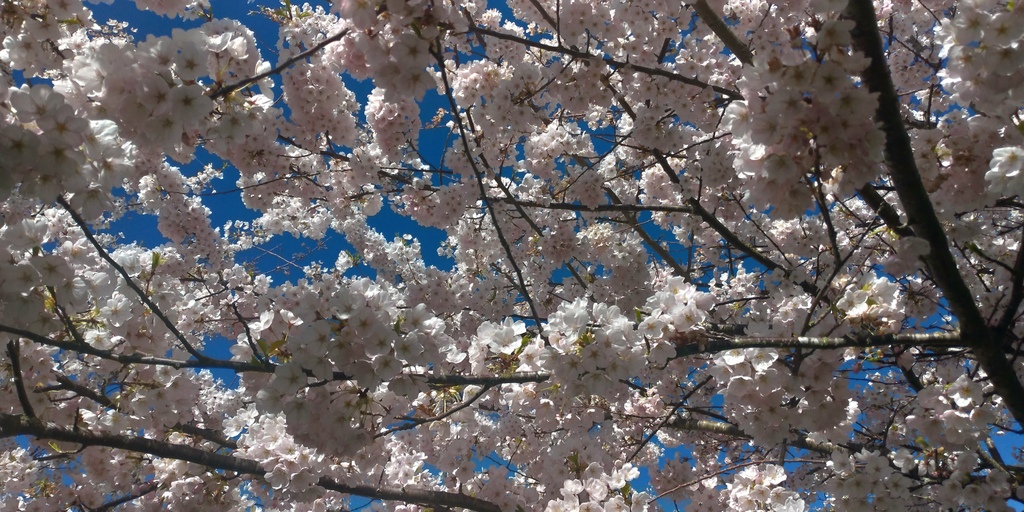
[{"x": 723, "y": 254}]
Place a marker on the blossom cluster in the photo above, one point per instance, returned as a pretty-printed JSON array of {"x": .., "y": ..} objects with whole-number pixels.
[
  {"x": 686, "y": 256},
  {"x": 800, "y": 131}
]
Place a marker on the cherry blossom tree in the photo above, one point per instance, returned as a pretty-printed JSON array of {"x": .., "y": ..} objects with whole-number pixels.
[{"x": 730, "y": 254}]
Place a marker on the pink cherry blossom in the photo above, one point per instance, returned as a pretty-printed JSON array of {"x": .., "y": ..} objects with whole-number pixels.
[{"x": 533, "y": 255}]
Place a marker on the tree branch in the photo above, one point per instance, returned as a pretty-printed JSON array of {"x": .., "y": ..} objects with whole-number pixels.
[
  {"x": 668, "y": 418},
  {"x": 483, "y": 380},
  {"x": 412, "y": 495},
  {"x": 240, "y": 367},
  {"x": 613, "y": 63},
  {"x": 726, "y": 429},
  {"x": 610, "y": 207},
  {"x": 711, "y": 18},
  {"x": 884, "y": 210},
  {"x": 483, "y": 192},
  {"x": 415, "y": 422},
  {"x": 128, "y": 280},
  {"x": 727, "y": 234},
  {"x": 228, "y": 89},
  {"x": 632, "y": 221},
  {"x": 206, "y": 362},
  {"x": 921, "y": 214},
  {"x": 711, "y": 344},
  {"x": 19, "y": 382},
  {"x": 544, "y": 14},
  {"x": 111, "y": 505},
  {"x": 20, "y": 425},
  {"x": 206, "y": 434},
  {"x": 87, "y": 392}
]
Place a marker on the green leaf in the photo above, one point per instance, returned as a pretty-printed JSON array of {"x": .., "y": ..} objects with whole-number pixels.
[
  {"x": 276, "y": 346},
  {"x": 526, "y": 341}
]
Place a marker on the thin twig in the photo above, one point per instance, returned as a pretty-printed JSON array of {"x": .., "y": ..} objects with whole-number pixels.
[
  {"x": 243, "y": 367},
  {"x": 131, "y": 283},
  {"x": 668, "y": 417},
  {"x": 483, "y": 192},
  {"x": 111, "y": 505},
  {"x": 415, "y": 422},
  {"x": 228, "y": 89},
  {"x": 613, "y": 63}
]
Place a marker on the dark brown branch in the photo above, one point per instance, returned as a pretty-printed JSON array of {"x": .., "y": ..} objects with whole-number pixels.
[
  {"x": 717, "y": 25},
  {"x": 884, "y": 210},
  {"x": 613, "y": 63},
  {"x": 206, "y": 362},
  {"x": 727, "y": 234},
  {"x": 511, "y": 200},
  {"x": 206, "y": 434},
  {"x": 991, "y": 456},
  {"x": 228, "y": 89},
  {"x": 620, "y": 207},
  {"x": 464, "y": 136},
  {"x": 87, "y": 392},
  {"x": 415, "y": 422},
  {"x": 666, "y": 256},
  {"x": 921, "y": 215},
  {"x": 129, "y": 281},
  {"x": 482, "y": 380},
  {"x": 426, "y": 497},
  {"x": 544, "y": 14},
  {"x": 912, "y": 379},
  {"x": 65, "y": 318},
  {"x": 712, "y": 345},
  {"x": 19, "y": 382},
  {"x": 830, "y": 228},
  {"x": 20, "y": 425},
  {"x": 726, "y": 429},
  {"x": 670, "y": 416},
  {"x": 248, "y": 335},
  {"x": 111, "y": 505},
  {"x": 655, "y": 246},
  {"x": 692, "y": 203}
]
